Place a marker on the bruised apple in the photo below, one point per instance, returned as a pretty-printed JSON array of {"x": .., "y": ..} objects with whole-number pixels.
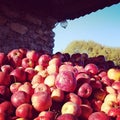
[{"x": 66, "y": 81}]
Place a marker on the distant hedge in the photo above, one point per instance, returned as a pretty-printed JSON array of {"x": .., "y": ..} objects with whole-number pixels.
[{"x": 94, "y": 49}]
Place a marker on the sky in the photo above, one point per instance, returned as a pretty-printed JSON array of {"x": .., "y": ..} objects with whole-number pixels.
[{"x": 102, "y": 26}]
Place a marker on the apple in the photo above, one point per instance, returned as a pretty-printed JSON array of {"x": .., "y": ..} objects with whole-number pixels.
[
  {"x": 30, "y": 72},
  {"x": 91, "y": 68},
  {"x": 52, "y": 69},
  {"x": 98, "y": 116},
  {"x": 82, "y": 77},
  {"x": 19, "y": 74},
  {"x": 4, "y": 78},
  {"x": 33, "y": 55},
  {"x": 41, "y": 87},
  {"x": 5, "y": 92},
  {"x": 114, "y": 74},
  {"x": 19, "y": 98},
  {"x": 66, "y": 117},
  {"x": 44, "y": 60},
  {"x": 48, "y": 114},
  {"x": 57, "y": 95},
  {"x": 116, "y": 85},
  {"x": 15, "y": 57},
  {"x": 114, "y": 112},
  {"x": 71, "y": 108},
  {"x": 6, "y": 68},
  {"x": 26, "y": 62},
  {"x": 68, "y": 67},
  {"x": 14, "y": 86},
  {"x": 85, "y": 90},
  {"x": 2, "y": 58},
  {"x": 73, "y": 98},
  {"x": 55, "y": 61},
  {"x": 43, "y": 73},
  {"x": 110, "y": 89},
  {"x": 6, "y": 107},
  {"x": 37, "y": 79},
  {"x": 3, "y": 116},
  {"x": 39, "y": 68},
  {"x": 86, "y": 111},
  {"x": 26, "y": 87},
  {"x": 66, "y": 81},
  {"x": 41, "y": 101},
  {"x": 50, "y": 80},
  {"x": 106, "y": 80},
  {"x": 24, "y": 110}
]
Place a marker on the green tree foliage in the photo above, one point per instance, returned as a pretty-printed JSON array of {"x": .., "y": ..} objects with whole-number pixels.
[{"x": 94, "y": 49}]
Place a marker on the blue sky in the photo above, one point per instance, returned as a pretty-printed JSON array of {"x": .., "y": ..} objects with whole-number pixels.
[{"x": 102, "y": 26}]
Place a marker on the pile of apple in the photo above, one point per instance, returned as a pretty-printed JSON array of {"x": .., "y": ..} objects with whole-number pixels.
[{"x": 40, "y": 86}]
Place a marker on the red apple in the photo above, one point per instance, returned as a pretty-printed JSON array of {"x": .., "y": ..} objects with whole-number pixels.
[
  {"x": 26, "y": 87},
  {"x": 66, "y": 81},
  {"x": 114, "y": 112},
  {"x": 31, "y": 72},
  {"x": 41, "y": 87},
  {"x": 4, "y": 78},
  {"x": 26, "y": 62},
  {"x": 66, "y": 117},
  {"x": 48, "y": 114},
  {"x": 85, "y": 90},
  {"x": 24, "y": 110},
  {"x": 116, "y": 85},
  {"x": 6, "y": 107},
  {"x": 19, "y": 74},
  {"x": 44, "y": 60},
  {"x": 2, "y": 58},
  {"x": 98, "y": 116},
  {"x": 19, "y": 98},
  {"x": 73, "y": 98},
  {"x": 33, "y": 55},
  {"x": 41, "y": 101},
  {"x": 86, "y": 111},
  {"x": 14, "y": 86},
  {"x": 55, "y": 61},
  {"x": 91, "y": 68},
  {"x": 6, "y": 68}
]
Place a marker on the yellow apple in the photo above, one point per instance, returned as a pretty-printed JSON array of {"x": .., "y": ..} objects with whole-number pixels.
[{"x": 114, "y": 74}]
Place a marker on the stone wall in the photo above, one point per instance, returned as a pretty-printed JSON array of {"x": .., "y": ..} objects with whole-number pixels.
[{"x": 23, "y": 30}]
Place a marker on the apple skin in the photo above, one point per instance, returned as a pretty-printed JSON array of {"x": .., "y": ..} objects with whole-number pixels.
[
  {"x": 24, "y": 110},
  {"x": 57, "y": 95},
  {"x": 19, "y": 74},
  {"x": 7, "y": 107},
  {"x": 30, "y": 73},
  {"x": 66, "y": 117},
  {"x": 71, "y": 108},
  {"x": 48, "y": 114},
  {"x": 14, "y": 86},
  {"x": 114, "y": 74},
  {"x": 98, "y": 116},
  {"x": 41, "y": 87},
  {"x": 41, "y": 101},
  {"x": 4, "y": 79},
  {"x": 85, "y": 90},
  {"x": 5, "y": 92},
  {"x": 114, "y": 112},
  {"x": 6, "y": 68},
  {"x": 73, "y": 98},
  {"x": 52, "y": 69},
  {"x": 26, "y": 62},
  {"x": 2, "y": 58},
  {"x": 33, "y": 55},
  {"x": 91, "y": 68},
  {"x": 86, "y": 111},
  {"x": 26, "y": 87},
  {"x": 66, "y": 81},
  {"x": 19, "y": 98},
  {"x": 44, "y": 60},
  {"x": 116, "y": 85}
]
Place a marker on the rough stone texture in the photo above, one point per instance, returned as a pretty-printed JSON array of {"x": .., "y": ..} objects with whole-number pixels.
[{"x": 20, "y": 30}]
